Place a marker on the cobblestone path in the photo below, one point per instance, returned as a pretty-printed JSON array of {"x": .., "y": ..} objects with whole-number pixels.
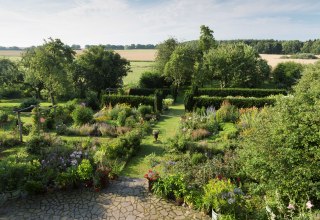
[{"x": 125, "y": 198}]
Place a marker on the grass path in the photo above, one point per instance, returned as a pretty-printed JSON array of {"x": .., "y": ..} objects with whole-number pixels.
[{"x": 168, "y": 126}]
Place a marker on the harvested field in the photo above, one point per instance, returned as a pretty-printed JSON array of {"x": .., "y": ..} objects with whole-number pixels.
[{"x": 274, "y": 59}]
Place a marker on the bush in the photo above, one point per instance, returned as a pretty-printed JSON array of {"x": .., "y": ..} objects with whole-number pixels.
[
  {"x": 121, "y": 120},
  {"x": 227, "y": 113},
  {"x": 245, "y": 92},
  {"x": 171, "y": 187},
  {"x": 28, "y": 102},
  {"x": 34, "y": 187},
  {"x": 179, "y": 143},
  {"x": 143, "y": 110},
  {"x": 3, "y": 117},
  {"x": 85, "y": 170},
  {"x": 152, "y": 80},
  {"x": 287, "y": 74},
  {"x": 92, "y": 100},
  {"x": 189, "y": 101},
  {"x": 133, "y": 101},
  {"x": 238, "y": 102},
  {"x": 158, "y": 101},
  {"x": 82, "y": 115},
  {"x": 37, "y": 144},
  {"x": 300, "y": 56},
  {"x": 10, "y": 93},
  {"x": 8, "y": 141},
  {"x": 197, "y": 158}
]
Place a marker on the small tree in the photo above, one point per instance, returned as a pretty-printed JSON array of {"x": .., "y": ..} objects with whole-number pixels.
[
  {"x": 165, "y": 49},
  {"x": 287, "y": 74}
]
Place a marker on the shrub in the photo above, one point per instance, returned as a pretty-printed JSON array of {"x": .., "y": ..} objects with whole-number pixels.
[
  {"x": 170, "y": 187},
  {"x": 37, "y": 144},
  {"x": 287, "y": 74},
  {"x": 10, "y": 93},
  {"x": 28, "y": 102},
  {"x": 3, "y": 117},
  {"x": 227, "y": 113},
  {"x": 189, "y": 101},
  {"x": 167, "y": 102},
  {"x": 34, "y": 187},
  {"x": 130, "y": 121},
  {"x": 133, "y": 101},
  {"x": 71, "y": 105},
  {"x": 158, "y": 101},
  {"x": 197, "y": 158},
  {"x": 245, "y": 92},
  {"x": 152, "y": 80},
  {"x": 239, "y": 102},
  {"x": 179, "y": 143},
  {"x": 143, "y": 110},
  {"x": 82, "y": 115},
  {"x": 199, "y": 134},
  {"x": 85, "y": 170},
  {"x": 121, "y": 120},
  {"x": 92, "y": 100},
  {"x": 107, "y": 130}
]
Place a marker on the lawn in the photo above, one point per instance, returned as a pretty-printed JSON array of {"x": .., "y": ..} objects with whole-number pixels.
[{"x": 137, "y": 68}]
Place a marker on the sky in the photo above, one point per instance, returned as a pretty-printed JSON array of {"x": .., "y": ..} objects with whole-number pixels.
[{"x": 28, "y": 22}]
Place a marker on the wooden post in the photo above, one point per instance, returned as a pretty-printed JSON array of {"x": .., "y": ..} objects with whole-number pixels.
[{"x": 20, "y": 127}]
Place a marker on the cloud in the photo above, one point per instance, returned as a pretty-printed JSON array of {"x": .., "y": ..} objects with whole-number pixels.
[{"x": 144, "y": 21}]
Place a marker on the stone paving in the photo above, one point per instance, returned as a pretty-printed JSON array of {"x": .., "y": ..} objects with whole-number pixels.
[{"x": 125, "y": 198}]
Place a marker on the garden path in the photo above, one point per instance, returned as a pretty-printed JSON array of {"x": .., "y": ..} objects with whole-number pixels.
[
  {"x": 126, "y": 198},
  {"x": 168, "y": 126}
]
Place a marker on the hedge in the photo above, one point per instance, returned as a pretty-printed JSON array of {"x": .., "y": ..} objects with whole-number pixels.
[
  {"x": 133, "y": 101},
  {"x": 148, "y": 92},
  {"x": 239, "y": 102},
  {"x": 240, "y": 92}
]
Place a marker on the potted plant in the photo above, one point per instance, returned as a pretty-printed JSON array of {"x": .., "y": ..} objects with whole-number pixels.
[
  {"x": 85, "y": 172},
  {"x": 102, "y": 172},
  {"x": 152, "y": 177}
]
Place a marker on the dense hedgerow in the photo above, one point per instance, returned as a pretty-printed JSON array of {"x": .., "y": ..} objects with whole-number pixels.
[
  {"x": 148, "y": 92},
  {"x": 238, "y": 102},
  {"x": 246, "y": 92},
  {"x": 133, "y": 101}
]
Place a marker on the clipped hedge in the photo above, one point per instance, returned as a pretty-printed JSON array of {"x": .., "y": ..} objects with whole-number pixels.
[
  {"x": 148, "y": 92},
  {"x": 133, "y": 101},
  {"x": 239, "y": 102},
  {"x": 246, "y": 92}
]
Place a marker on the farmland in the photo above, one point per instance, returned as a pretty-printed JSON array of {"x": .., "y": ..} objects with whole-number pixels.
[{"x": 149, "y": 56}]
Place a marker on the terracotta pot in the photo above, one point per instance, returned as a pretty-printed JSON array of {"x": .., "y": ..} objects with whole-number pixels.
[{"x": 97, "y": 188}]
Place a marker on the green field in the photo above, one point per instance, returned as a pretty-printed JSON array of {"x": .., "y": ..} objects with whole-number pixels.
[{"x": 137, "y": 69}]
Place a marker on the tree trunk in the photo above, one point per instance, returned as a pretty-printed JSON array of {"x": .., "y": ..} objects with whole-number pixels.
[{"x": 52, "y": 98}]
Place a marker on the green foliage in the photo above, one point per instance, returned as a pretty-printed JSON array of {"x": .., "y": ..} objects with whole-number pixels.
[
  {"x": 291, "y": 46},
  {"x": 47, "y": 66},
  {"x": 179, "y": 143},
  {"x": 235, "y": 65},
  {"x": 133, "y": 101},
  {"x": 152, "y": 80},
  {"x": 287, "y": 74},
  {"x": 9, "y": 74},
  {"x": 238, "y": 102},
  {"x": 189, "y": 101},
  {"x": 121, "y": 120},
  {"x": 143, "y": 110},
  {"x": 170, "y": 187},
  {"x": 227, "y": 113},
  {"x": 197, "y": 158},
  {"x": 37, "y": 144},
  {"x": 85, "y": 170},
  {"x": 281, "y": 151},
  {"x": 28, "y": 102},
  {"x": 300, "y": 56},
  {"x": 206, "y": 41},
  {"x": 10, "y": 93},
  {"x": 34, "y": 187},
  {"x": 148, "y": 91},
  {"x": 101, "y": 69},
  {"x": 3, "y": 116},
  {"x": 165, "y": 49},
  {"x": 158, "y": 101},
  {"x": 180, "y": 67},
  {"x": 246, "y": 92},
  {"x": 92, "y": 100},
  {"x": 82, "y": 115}
]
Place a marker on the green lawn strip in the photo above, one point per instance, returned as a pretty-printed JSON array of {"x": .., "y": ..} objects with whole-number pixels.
[
  {"x": 137, "y": 68},
  {"x": 168, "y": 126}
]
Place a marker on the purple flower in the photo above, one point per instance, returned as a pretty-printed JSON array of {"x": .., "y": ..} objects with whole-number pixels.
[
  {"x": 74, "y": 162},
  {"x": 291, "y": 206},
  {"x": 309, "y": 205}
]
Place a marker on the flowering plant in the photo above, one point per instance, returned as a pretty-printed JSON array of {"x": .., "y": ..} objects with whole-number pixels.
[{"x": 152, "y": 175}]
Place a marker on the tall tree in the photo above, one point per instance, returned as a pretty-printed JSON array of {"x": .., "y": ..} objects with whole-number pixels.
[
  {"x": 206, "y": 41},
  {"x": 180, "y": 67},
  {"x": 9, "y": 73},
  {"x": 165, "y": 49},
  {"x": 47, "y": 65},
  {"x": 102, "y": 68},
  {"x": 235, "y": 65}
]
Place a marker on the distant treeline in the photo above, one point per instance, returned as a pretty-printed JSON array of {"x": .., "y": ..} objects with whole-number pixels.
[
  {"x": 281, "y": 47},
  {"x": 261, "y": 46},
  {"x": 127, "y": 47}
]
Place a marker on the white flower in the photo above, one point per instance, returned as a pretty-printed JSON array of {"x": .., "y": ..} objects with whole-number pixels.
[{"x": 309, "y": 205}]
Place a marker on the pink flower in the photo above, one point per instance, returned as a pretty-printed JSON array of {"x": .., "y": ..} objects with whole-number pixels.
[
  {"x": 42, "y": 120},
  {"x": 309, "y": 205},
  {"x": 290, "y": 206}
]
